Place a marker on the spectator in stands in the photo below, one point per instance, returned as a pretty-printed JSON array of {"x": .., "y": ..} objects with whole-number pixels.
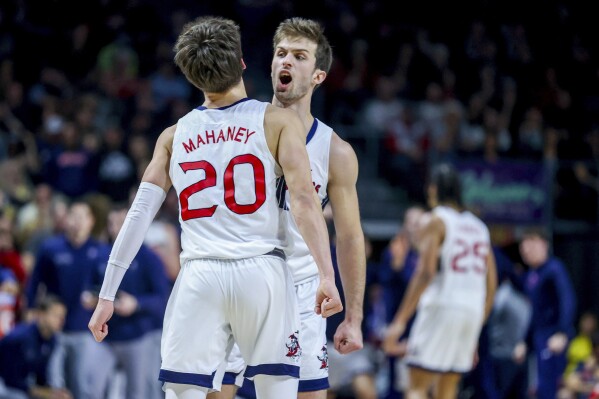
[
  {"x": 140, "y": 301},
  {"x": 13, "y": 277},
  {"x": 398, "y": 263},
  {"x": 443, "y": 139},
  {"x": 498, "y": 373},
  {"x": 63, "y": 268},
  {"x": 507, "y": 328},
  {"x": 32, "y": 237},
  {"x": 406, "y": 144},
  {"x": 583, "y": 381},
  {"x": 25, "y": 354},
  {"x": 530, "y": 134},
  {"x": 581, "y": 346},
  {"x": 72, "y": 169},
  {"x": 35, "y": 215},
  {"x": 549, "y": 289},
  {"x": 10, "y": 257},
  {"x": 117, "y": 173},
  {"x": 380, "y": 111},
  {"x": 9, "y": 291}
]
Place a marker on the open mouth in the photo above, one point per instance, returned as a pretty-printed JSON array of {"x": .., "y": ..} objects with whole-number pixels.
[{"x": 285, "y": 78}]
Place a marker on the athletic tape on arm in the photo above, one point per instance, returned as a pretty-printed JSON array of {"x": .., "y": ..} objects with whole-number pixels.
[{"x": 147, "y": 202}]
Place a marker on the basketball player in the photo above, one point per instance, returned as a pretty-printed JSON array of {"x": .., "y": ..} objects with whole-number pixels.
[
  {"x": 223, "y": 159},
  {"x": 453, "y": 288},
  {"x": 302, "y": 58}
]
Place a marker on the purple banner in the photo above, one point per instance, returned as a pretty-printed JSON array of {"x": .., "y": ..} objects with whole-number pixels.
[{"x": 505, "y": 192}]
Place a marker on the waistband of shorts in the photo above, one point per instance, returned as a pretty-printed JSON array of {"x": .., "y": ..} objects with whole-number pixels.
[{"x": 278, "y": 252}]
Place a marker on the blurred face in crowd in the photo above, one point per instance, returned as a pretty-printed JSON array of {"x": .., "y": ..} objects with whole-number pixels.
[
  {"x": 52, "y": 319},
  {"x": 115, "y": 222},
  {"x": 43, "y": 194},
  {"x": 412, "y": 223},
  {"x": 534, "y": 250},
  {"x": 293, "y": 70},
  {"x": 588, "y": 323},
  {"x": 70, "y": 136},
  {"x": 6, "y": 239},
  {"x": 79, "y": 222}
]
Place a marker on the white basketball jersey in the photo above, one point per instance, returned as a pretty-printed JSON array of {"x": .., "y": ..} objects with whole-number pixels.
[
  {"x": 318, "y": 143},
  {"x": 461, "y": 279},
  {"x": 225, "y": 179}
]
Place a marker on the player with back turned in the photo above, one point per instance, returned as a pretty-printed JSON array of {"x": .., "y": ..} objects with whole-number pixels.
[
  {"x": 223, "y": 159},
  {"x": 453, "y": 288}
]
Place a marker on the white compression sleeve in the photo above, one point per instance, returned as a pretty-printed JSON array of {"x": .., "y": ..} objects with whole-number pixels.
[{"x": 147, "y": 202}]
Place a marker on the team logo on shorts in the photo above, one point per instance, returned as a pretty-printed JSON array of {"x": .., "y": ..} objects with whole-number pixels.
[
  {"x": 294, "y": 350},
  {"x": 324, "y": 359}
]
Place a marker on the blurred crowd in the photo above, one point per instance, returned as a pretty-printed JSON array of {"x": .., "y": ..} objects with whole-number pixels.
[
  {"x": 86, "y": 87},
  {"x": 96, "y": 79}
]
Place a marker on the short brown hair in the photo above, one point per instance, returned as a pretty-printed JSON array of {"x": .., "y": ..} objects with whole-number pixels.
[
  {"x": 208, "y": 52},
  {"x": 311, "y": 30},
  {"x": 535, "y": 231}
]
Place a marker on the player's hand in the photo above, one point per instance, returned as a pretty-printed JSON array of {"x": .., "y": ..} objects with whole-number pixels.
[
  {"x": 348, "y": 337},
  {"x": 61, "y": 393},
  {"x": 557, "y": 343},
  {"x": 475, "y": 358},
  {"x": 519, "y": 353},
  {"x": 328, "y": 301},
  {"x": 392, "y": 346},
  {"x": 98, "y": 323}
]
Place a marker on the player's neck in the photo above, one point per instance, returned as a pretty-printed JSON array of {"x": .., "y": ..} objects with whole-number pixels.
[
  {"x": 452, "y": 204},
  {"x": 217, "y": 100},
  {"x": 302, "y": 107}
]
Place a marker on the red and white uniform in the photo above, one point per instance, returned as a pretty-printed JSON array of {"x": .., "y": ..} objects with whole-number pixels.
[
  {"x": 299, "y": 259},
  {"x": 234, "y": 284},
  {"x": 451, "y": 309},
  {"x": 225, "y": 178},
  {"x": 314, "y": 365}
]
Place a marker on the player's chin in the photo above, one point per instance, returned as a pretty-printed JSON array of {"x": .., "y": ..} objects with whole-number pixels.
[{"x": 282, "y": 87}]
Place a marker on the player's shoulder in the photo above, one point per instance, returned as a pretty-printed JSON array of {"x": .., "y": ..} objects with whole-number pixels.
[
  {"x": 166, "y": 137},
  {"x": 169, "y": 131},
  {"x": 477, "y": 220},
  {"x": 279, "y": 114},
  {"x": 432, "y": 223},
  {"x": 341, "y": 152}
]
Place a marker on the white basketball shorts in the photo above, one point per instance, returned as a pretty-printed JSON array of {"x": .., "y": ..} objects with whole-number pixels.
[
  {"x": 314, "y": 357},
  {"x": 217, "y": 302},
  {"x": 444, "y": 339}
]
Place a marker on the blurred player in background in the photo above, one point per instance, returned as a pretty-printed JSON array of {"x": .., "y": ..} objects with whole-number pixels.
[{"x": 453, "y": 288}]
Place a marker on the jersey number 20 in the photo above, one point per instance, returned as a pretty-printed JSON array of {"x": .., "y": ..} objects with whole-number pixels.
[{"x": 210, "y": 180}]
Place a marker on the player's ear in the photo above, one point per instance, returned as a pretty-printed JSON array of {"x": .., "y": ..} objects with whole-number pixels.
[
  {"x": 319, "y": 76},
  {"x": 243, "y": 66}
]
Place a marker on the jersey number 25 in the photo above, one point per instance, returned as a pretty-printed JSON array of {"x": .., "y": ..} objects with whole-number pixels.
[{"x": 471, "y": 256}]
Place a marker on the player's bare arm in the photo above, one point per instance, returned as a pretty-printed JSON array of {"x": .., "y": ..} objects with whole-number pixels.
[
  {"x": 284, "y": 127},
  {"x": 150, "y": 195},
  {"x": 157, "y": 171},
  {"x": 491, "y": 283},
  {"x": 351, "y": 257},
  {"x": 431, "y": 239}
]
